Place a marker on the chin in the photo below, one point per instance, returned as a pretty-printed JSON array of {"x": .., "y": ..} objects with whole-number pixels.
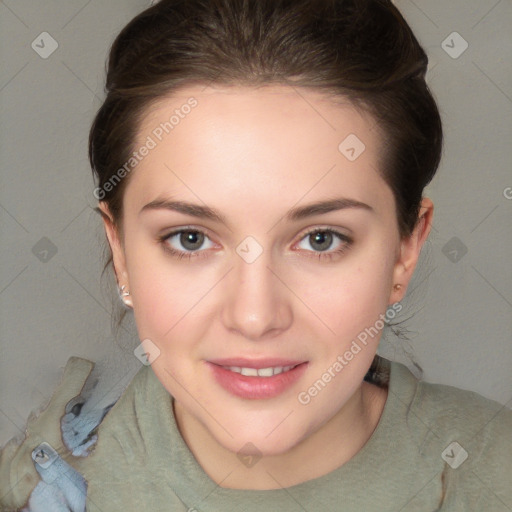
[{"x": 261, "y": 441}]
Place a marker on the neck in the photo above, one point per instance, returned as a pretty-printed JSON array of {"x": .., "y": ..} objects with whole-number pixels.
[{"x": 331, "y": 446}]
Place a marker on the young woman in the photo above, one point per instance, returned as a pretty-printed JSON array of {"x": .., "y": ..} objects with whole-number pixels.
[{"x": 260, "y": 170}]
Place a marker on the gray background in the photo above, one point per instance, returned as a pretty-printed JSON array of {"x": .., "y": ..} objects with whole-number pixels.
[{"x": 53, "y": 303}]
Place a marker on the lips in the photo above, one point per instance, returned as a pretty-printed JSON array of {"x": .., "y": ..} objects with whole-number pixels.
[{"x": 251, "y": 379}]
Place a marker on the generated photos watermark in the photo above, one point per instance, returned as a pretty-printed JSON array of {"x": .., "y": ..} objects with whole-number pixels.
[
  {"x": 152, "y": 141},
  {"x": 305, "y": 397}
]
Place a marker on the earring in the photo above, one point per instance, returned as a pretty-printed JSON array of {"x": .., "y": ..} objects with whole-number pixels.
[
  {"x": 397, "y": 287},
  {"x": 124, "y": 295}
]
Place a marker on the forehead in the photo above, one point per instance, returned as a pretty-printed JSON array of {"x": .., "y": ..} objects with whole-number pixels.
[
  {"x": 256, "y": 107},
  {"x": 272, "y": 139}
]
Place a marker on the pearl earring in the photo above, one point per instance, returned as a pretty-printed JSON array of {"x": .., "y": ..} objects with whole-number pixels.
[{"x": 124, "y": 295}]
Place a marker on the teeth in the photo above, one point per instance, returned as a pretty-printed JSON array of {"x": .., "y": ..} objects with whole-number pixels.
[
  {"x": 262, "y": 372},
  {"x": 268, "y": 372},
  {"x": 249, "y": 372}
]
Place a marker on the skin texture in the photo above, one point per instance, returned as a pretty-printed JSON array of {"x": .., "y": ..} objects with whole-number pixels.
[{"x": 252, "y": 155}]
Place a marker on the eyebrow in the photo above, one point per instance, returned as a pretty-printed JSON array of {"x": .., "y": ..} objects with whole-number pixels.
[{"x": 295, "y": 214}]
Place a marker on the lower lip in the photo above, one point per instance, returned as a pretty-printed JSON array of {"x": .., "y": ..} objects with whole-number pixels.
[{"x": 254, "y": 388}]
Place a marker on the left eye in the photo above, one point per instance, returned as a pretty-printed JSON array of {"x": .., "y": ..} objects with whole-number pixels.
[{"x": 322, "y": 239}]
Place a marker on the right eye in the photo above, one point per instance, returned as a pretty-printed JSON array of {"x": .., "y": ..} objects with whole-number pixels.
[{"x": 190, "y": 240}]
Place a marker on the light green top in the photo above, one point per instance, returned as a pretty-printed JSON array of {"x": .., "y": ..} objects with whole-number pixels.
[{"x": 141, "y": 462}]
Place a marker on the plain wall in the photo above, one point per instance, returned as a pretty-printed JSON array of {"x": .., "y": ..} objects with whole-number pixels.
[{"x": 53, "y": 303}]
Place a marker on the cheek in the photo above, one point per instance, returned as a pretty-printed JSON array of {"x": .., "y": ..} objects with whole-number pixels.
[
  {"x": 160, "y": 292},
  {"x": 165, "y": 307},
  {"x": 172, "y": 304},
  {"x": 351, "y": 296}
]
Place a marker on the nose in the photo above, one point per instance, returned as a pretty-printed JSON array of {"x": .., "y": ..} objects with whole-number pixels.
[{"x": 257, "y": 303}]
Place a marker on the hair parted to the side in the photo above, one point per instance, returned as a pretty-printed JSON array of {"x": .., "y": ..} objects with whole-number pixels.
[{"x": 357, "y": 50}]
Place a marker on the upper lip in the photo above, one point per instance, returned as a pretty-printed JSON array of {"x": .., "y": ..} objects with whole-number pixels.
[{"x": 242, "y": 362}]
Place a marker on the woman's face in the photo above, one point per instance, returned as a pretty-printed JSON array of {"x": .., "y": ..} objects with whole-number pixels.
[{"x": 229, "y": 264}]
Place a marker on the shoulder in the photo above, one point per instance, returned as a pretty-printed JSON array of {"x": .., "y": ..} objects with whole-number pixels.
[
  {"x": 464, "y": 436},
  {"x": 448, "y": 409},
  {"x": 38, "y": 468},
  {"x": 479, "y": 420}
]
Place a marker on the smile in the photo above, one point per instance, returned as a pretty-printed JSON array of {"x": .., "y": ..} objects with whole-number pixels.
[
  {"x": 261, "y": 372},
  {"x": 256, "y": 383}
]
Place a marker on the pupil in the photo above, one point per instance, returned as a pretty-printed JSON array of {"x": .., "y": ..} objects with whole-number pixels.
[
  {"x": 191, "y": 238},
  {"x": 323, "y": 238}
]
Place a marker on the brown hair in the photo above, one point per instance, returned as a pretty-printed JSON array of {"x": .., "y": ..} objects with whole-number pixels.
[{"x": 360, "y": 50}]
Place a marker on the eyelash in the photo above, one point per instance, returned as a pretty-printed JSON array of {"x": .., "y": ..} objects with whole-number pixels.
[{"x": 201, "y": 253}]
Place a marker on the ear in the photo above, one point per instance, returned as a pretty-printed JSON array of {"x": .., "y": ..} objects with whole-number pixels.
[
  {"x": 116, "y": 245},
  {"x": 410, "y": 249}
]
